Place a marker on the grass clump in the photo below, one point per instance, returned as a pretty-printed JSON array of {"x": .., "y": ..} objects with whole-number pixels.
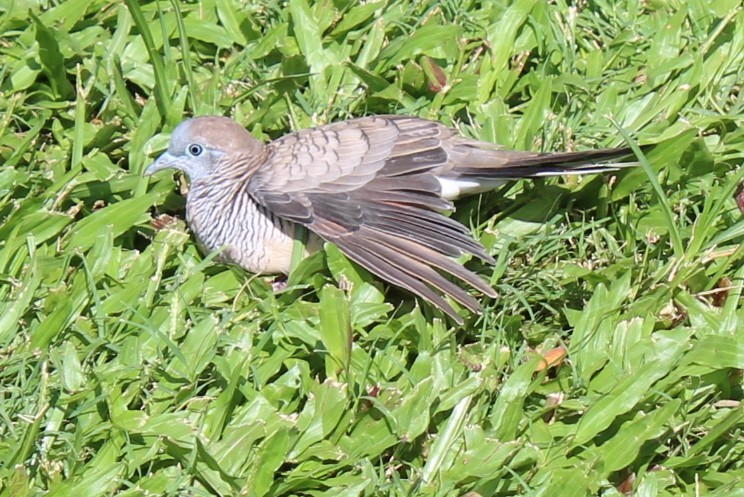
[{"x": 132, "y": 365}]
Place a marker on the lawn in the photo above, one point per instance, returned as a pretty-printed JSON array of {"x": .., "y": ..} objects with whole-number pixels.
[{"x": 610, "y": 364}]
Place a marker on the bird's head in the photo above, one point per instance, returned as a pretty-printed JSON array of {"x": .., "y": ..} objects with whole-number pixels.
[{"x": 197, "y": 146}]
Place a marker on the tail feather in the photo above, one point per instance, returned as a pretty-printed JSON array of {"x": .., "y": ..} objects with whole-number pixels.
[
  {"x": 514, "y": 165},
  {"x": 480, "y": 168}
]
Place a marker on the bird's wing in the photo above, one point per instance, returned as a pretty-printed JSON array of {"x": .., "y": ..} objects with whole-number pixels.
[{"x": 370, "y": 186}]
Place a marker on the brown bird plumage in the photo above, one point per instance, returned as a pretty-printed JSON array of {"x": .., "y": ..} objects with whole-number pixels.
[{"x": 374, "y": 186}]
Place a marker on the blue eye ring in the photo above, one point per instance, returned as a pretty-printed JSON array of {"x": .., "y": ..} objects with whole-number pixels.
[{"x": 195, "y": 149}]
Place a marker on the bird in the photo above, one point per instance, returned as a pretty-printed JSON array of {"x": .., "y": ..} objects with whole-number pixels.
[{"x": 378, "y": 187}]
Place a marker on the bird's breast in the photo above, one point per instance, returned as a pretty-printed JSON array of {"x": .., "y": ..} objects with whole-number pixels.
[{"x": 245, "y": 233}]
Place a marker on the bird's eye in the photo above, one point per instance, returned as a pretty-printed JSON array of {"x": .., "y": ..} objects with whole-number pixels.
[{"x": 195, "y": 149}]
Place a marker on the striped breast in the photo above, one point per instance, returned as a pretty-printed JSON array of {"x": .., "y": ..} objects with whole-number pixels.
[{"x": 225, "y": 217}]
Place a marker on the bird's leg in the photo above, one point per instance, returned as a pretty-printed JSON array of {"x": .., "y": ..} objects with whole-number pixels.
[{"x": 279, "y": 283}]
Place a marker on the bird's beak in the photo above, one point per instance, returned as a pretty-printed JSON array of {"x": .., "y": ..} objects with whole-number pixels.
[{"x": 165, "y": 161}]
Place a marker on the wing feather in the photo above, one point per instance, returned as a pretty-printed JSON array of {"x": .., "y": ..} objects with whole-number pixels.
[
  {"x": 376, "y": 196},
  {"x": 373, "y": 187}
]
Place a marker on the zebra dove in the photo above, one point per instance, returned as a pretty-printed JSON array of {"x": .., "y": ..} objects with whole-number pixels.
[{"x": 376, "y": 187}]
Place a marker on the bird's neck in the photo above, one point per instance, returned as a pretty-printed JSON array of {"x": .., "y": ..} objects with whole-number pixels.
[{"x": 208, "y": 200}]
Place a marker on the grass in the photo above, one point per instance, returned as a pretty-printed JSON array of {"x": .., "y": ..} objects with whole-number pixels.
[{"x": 131, "y": 364}]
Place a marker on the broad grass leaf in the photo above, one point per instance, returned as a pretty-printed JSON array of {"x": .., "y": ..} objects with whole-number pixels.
[
  {"x": 162, "y": 88},
  {"x": 308, "y": 267},
  {"x": 502, "y": 37},
  {"x": 450, "y": 398},
  {"x": 216, "y": 35},
  {"x": 622, "y": 449},
  {"x": 148, "y": 124},
  {"x": 270, "y": 456},
  {"x": 372, "y": 80},
  {"x": 102, "y": 189},
  {"x": 39, "y": 227},
  {"x": 532, "y": 217},
  {"x": 714, "y": 353},
  {"x": 335, "y": 328},
  {"x": 432, "y": 40},
  {"x": 540, "y": 106},
  {"x": 371, "y": 50},
  {"x": 320, "y": 416},
  {"x": 241, "y": 442},
  {"x": 413, "y": 415},
  {"x": 199, "y": 346},
  {"x": 483, "y": 457},
  {"x": 66, "y": 14},
  {"x": 231, "y": 18},
  {"x": 577, "y": 478},
  {"x": 507, "y": 410},
  {"x": 24, "y": 144},
  {"x": 121, "y": 216},
  {"x": 13, "y": 309},
  {"x": 630, "y": 389},
  {"x": 52, "y": 60},
  {"x": 59, "y": 320},
  {"x": 343, "y": 269},
  {"x": 368, "y": 305},
  {"x": 308, "y": 36},
  {"x": 24, "y": 72},
  {"x": 173, "y": 425},
  {"x": 369, "y": 436},
  {"x": 663, "y": 155},
  {"x": 593, "y": 332},
  {"x": 357, "y": 15},
  {"x": 97, "y": 478}
]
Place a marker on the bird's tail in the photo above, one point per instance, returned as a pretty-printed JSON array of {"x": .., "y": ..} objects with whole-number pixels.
[
  {"x": 481, "y": 168},
  {"x": 514, "y": 165}
]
